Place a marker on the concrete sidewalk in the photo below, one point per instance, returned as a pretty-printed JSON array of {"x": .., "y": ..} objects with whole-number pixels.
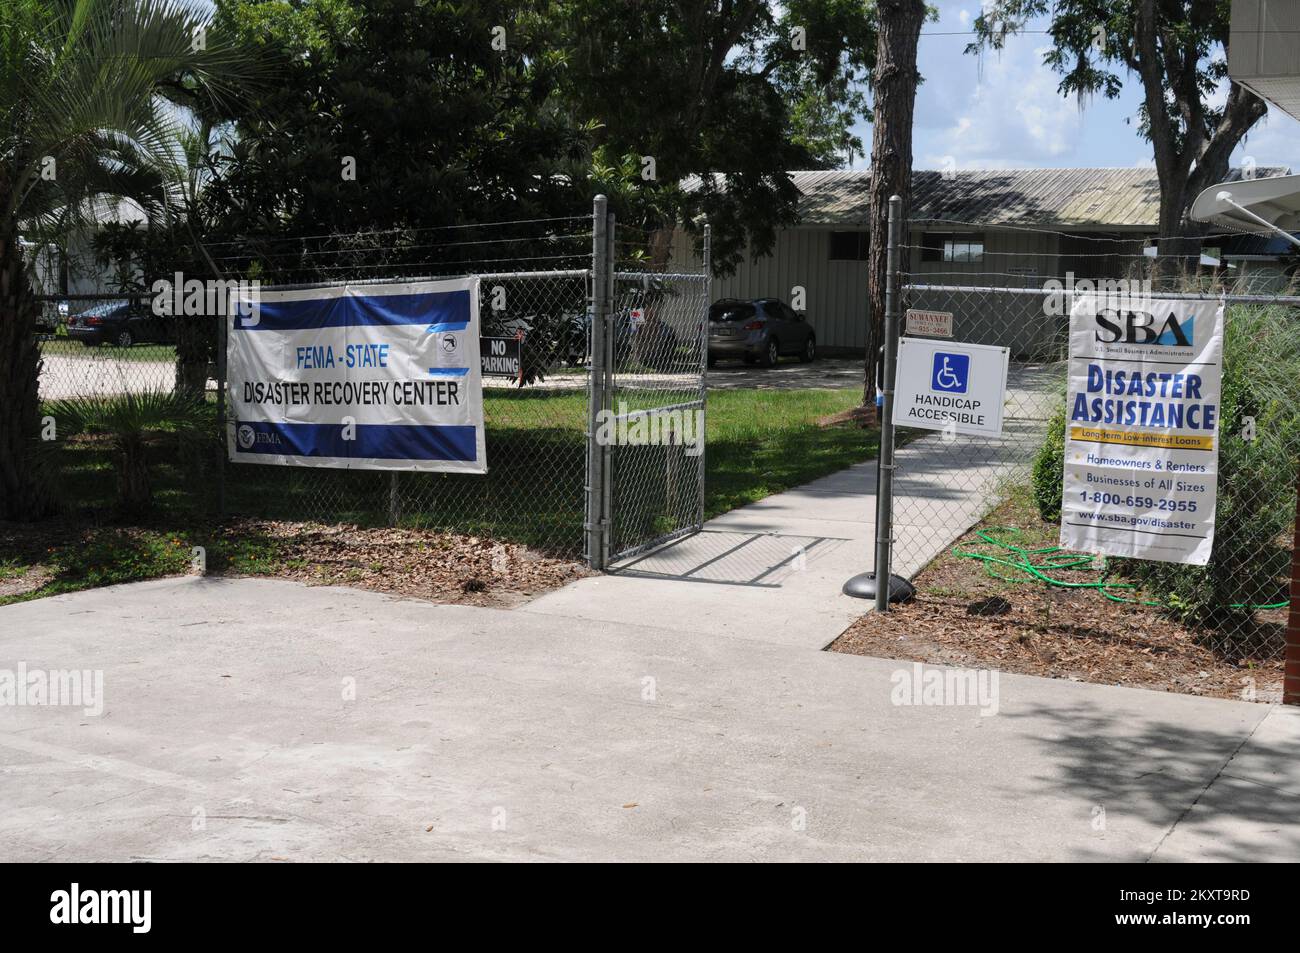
[
  {"x": 263, "y": 720},
  {"x": 679, "y": 709},
  {"x": 773, "y": 570}
]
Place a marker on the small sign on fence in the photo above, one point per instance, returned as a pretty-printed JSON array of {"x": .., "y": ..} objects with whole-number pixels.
[
  {"x": 935, "y": 324},
  {"x": 948, "y": 386},
  {"x": 501, "y": 357},
  {"x": 1142, "y": 429},
  {"x": 364, "y": 377}
]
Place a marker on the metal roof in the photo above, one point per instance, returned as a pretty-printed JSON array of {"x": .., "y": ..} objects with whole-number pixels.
[{"x": 1088, "y": 198}]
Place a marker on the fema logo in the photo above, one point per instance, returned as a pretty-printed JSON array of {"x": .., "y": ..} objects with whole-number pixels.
[
  {"x": 246, "y": 437},
  {"x": 449, "y": 344},
  {"x": 950, "y": 373}
]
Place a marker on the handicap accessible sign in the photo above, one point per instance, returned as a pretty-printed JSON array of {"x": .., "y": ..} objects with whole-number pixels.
[
  {"x": 359, "y": 376},
  {"x": 942, "y": 385}
]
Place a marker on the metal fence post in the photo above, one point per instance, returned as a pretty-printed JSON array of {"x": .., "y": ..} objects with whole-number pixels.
[
  {"x": 702, "y": 435},
  {"x": 1291, "y": 657},
  {"x": 596, "y": 396},
  {"x": 868, "y": 585},
  {"x": 885, "y": 489},
  {"x": 607, "y": 389},
  {"x": 222, "y": 426}
]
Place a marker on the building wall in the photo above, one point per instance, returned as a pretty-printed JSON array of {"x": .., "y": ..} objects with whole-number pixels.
[
  {"x": 835, "y": 299},
  {"x": 836, "y": 291}
]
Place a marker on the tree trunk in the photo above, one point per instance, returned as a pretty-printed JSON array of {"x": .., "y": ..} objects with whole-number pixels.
[
  {"x": 661, "y": 247},
  {"x": 193, "y": 347},
  {"x": 24, "y": 494},
  {"x": 1178, "y": 247},
  {"x": 894, "y": 94},
  {"x": 133, "y": 485}
]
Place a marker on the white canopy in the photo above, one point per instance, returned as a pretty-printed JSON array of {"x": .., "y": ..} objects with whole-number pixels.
[{"x": 1265, "y": 206}]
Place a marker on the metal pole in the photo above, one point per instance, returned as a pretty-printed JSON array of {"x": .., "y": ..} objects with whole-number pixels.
[
  {"x": 1291, "y": 665},
  {"x": 222, "y": 427},
  {"x": 879, "y": 584},
  {"x": 596, "y": 385},
  {"x": 607, "y": 391},
  {"x": 704, "y": 368},
  {"x": 885, "y": 486}
]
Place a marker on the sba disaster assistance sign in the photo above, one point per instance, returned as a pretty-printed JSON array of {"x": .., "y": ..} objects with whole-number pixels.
[
  {"x": 368, "y": 377},
  {"x": 1142, "y": 424}
]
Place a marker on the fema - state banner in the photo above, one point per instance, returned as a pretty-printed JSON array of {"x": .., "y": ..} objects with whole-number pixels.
[
  {"x": 362, "y": 376},
  {"x": 1142, "y": 428}
]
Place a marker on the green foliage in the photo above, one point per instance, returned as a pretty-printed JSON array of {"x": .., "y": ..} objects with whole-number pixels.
[
  {"x": 113, "y": 556},
  {"x": 737, "y": 93},
  {"x": 1049, "y": 468},
  {"x": 128, "y": 420},
  {"x": 1256, "y": 504},
  {"x": 87, "y": 84},
  {"x": 443, "y": 128},
  {"x": 448, "y": 127}
]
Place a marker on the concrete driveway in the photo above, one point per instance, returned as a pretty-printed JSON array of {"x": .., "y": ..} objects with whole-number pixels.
[{"x": 264, "y": 720}]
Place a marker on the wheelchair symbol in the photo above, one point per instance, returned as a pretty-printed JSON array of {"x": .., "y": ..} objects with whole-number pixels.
[{"x": 950, "y": 372}]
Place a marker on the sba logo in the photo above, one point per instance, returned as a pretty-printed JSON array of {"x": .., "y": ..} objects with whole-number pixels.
[
  {"x": 1142, "y": 327},
  {"x": 950, "y": 373}
]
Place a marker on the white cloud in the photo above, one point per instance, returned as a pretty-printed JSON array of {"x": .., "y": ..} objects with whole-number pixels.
[
  {"x": 1274, "y": 141},
  {"x": 1013, "y": 116}
]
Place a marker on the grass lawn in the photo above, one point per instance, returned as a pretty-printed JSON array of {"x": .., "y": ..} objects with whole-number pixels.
[
  {"x": 762, "y": 442},
  {"x": 148, "y": 353},
  {"x": 759, "y": 442}
]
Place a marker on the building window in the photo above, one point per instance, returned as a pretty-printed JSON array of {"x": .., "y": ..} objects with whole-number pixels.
[
  {"x": 964, "y": 248},
  {"x": 848, "y": 246},
  {"x": 956, "y": 247}
]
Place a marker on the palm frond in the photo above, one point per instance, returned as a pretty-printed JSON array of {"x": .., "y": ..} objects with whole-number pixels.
[{"x": 129, "y": 415}]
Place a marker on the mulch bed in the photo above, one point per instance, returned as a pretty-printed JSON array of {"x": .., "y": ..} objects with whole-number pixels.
[
  {"x": 442, "y": 567},
  {"x": 962, "y": 617}
]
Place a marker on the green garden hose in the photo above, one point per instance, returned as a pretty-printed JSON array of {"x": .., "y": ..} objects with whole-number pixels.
[{"x": 1028, "y": 563}]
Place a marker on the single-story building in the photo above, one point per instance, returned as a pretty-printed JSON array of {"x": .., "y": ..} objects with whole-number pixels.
[
  {"x": 1004, "y": 227},
  {"x": 72, "y": 267}
]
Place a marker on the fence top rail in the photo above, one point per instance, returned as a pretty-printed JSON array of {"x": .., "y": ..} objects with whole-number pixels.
[
  {"x": 1162, "y": 295},
  {"x": 487, "y": 275},
  {"x": 96, "y": 296},
  {"x": 660, "y": 275}
]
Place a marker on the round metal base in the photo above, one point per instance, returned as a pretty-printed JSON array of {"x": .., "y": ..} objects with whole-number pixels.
[{"x": 863, "y": 586}]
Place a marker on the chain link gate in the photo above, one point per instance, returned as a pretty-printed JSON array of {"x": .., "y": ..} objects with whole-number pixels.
[{"x": 646, "y": 435}]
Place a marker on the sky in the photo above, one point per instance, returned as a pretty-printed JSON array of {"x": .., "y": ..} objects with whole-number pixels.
[{"x": 1004, "y": 111}]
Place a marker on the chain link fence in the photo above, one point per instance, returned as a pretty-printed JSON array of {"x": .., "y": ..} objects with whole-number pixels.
[
  {"x": 658, "y": 342},
  {"x": 537, "y": 300},
  {"x": 999, "y": 492}
]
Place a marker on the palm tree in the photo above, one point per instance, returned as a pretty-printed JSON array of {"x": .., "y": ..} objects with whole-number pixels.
[
  {"x": 88, "y": 108},
  {"x": 128, "y": 420}
]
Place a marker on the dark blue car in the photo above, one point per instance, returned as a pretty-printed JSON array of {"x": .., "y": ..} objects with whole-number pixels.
[{"x": 122, "y": 323}]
